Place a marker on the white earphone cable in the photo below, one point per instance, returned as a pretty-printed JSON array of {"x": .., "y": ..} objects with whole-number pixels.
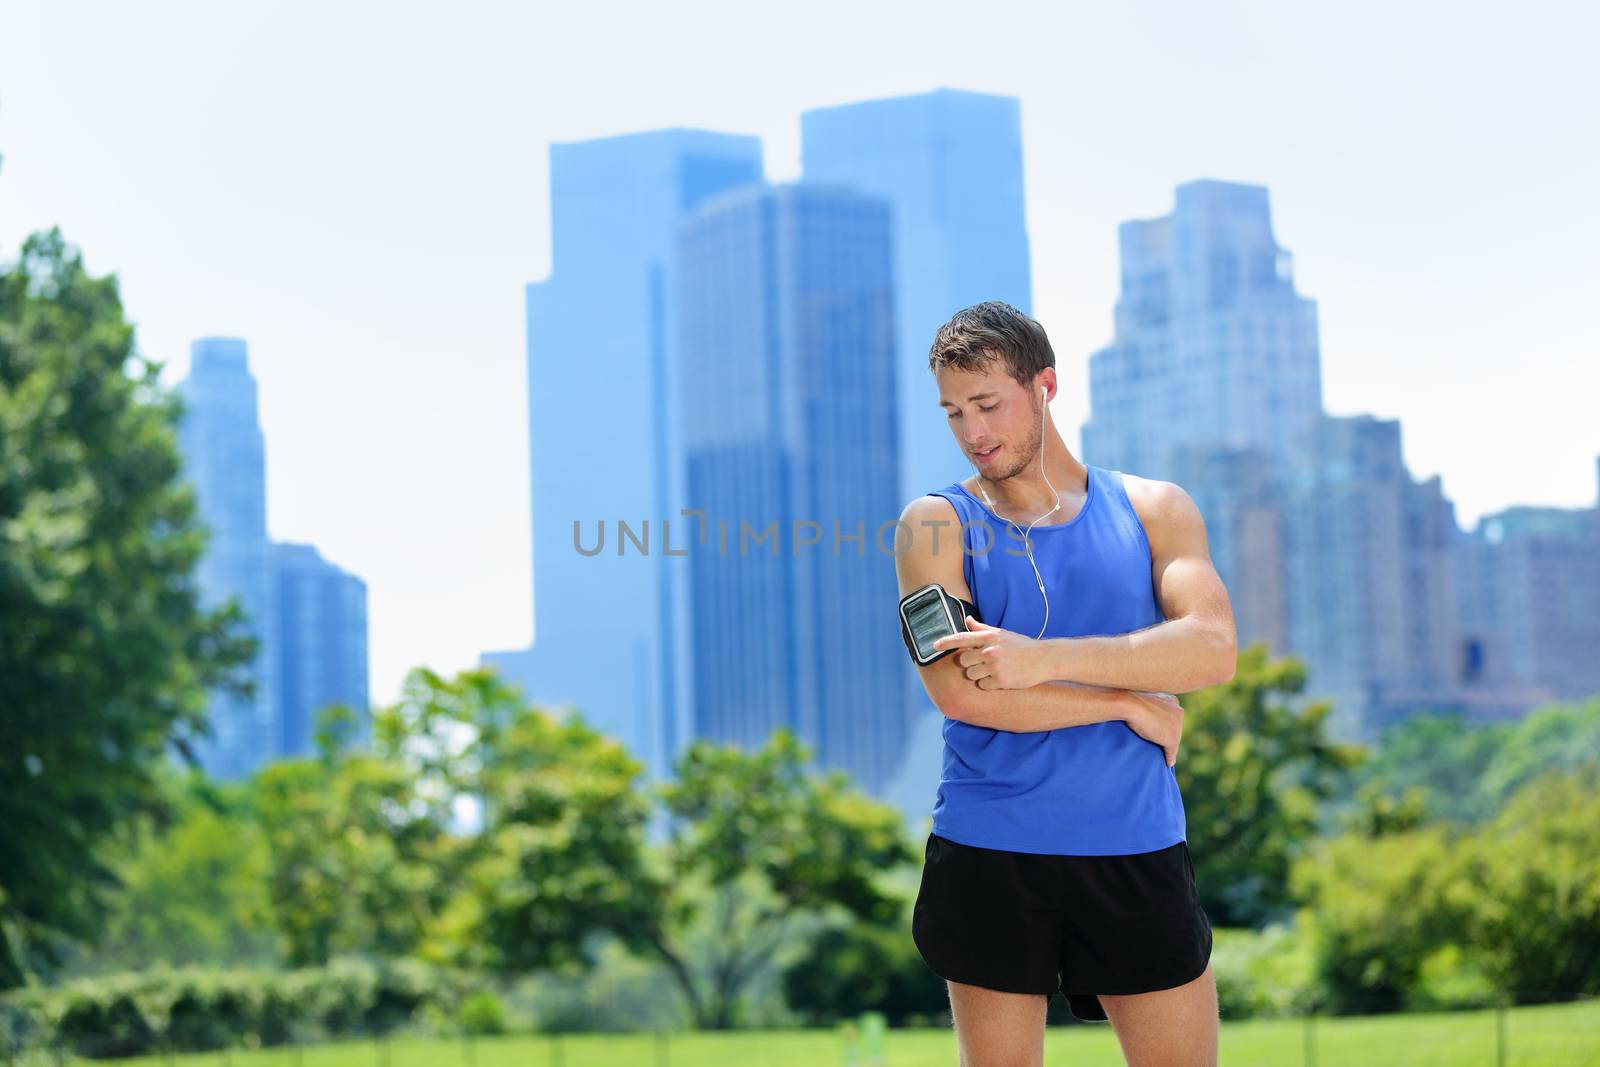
[{"x": 1027, "y": 538}]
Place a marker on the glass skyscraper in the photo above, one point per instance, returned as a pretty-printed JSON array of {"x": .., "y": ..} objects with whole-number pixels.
[
  {"x": 604, "y": 439},
  {"x": 787, "y": 335},
  {"x": 1330, "y": 549},
  {"x": 1238, "y": 492},
  {"x": 225, "y": 460},
  {"x": 1369, "y": 561},
  {"x": 1213, "y": 346},
  {"x": 322, "y": 634},
  {"x": 1530, "y": 579},
  {"x": 1213, "y": 380},
  {"x": 950, "y": 164}
]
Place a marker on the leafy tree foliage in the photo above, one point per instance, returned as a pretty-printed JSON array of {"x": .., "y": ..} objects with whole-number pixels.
[
  {"x": 561, "y": 855},
  {"x": 1533, "y": 882},
  {"x": 1379, "y": 906},
  {"x": 373, "y": 852},
  {"x": 1516, "y": 901},
  {"x": 364, "y": 851},
  {"x": 863, "y": 967},
  {"x": 1439, "y": 760},
  {"x": 1254, "y": 773},
  {"x": 762, "y": 840},
  {"x": 194, "y": 886},
  {"x": 1440, "y": 766},
  {"x": 106, "y": 653}
]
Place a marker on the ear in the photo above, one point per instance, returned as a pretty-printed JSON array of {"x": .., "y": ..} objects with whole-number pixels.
[{"x": 1048, "y": 383}]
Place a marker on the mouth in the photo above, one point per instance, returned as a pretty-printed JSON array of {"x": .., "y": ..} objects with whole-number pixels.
[{"x": 984, "y": 457}]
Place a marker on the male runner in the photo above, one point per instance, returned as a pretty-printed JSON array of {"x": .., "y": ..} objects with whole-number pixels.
[{"x": 1058, "y": 857}]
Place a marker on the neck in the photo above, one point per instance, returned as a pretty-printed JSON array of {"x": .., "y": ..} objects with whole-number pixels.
[{"x": 1026, "y": 492}]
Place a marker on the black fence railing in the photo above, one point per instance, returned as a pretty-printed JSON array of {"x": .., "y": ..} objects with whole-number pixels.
[{"x": 1489, "y": 1033}]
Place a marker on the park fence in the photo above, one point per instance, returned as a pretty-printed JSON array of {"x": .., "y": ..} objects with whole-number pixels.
[{"x": 1485, "y": 1030}]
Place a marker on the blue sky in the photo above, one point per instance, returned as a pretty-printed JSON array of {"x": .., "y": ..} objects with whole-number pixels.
[{"x": 360, "y": 191}]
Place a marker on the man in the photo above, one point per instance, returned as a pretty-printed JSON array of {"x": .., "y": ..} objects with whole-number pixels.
[{"x": 1058, "y": 857}]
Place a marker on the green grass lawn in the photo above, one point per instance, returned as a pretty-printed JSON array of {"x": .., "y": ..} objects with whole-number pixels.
[{"x": 1562, "y": 1035}]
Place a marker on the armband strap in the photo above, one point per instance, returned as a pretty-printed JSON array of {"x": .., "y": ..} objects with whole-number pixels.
[{"x": 959, "y": 609}]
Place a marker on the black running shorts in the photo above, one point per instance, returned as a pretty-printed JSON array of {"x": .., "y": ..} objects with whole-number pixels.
[{"x": 1026, "y": 923}]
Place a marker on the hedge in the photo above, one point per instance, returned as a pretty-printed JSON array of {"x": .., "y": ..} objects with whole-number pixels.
[{"x": 195, "y": 1009}]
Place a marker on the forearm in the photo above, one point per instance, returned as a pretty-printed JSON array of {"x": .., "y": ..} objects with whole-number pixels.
[
  {"x": 1049, "y": 706},
  {"x": 1175, "y": 656}
]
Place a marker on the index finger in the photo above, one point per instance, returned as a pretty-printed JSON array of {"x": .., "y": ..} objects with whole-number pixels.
[{"x": 963, "y": 639}]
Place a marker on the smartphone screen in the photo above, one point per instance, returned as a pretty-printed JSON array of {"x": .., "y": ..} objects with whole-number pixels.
[{"x": 929, "y": 621}]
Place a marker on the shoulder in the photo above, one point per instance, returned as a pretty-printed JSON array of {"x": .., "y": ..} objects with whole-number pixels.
[
  {"x": 929, "y": 548},
  {"x": 928, "y": 508},
  {"x": 929, "y": 521},
  {"x": 1163, "y": 507}
]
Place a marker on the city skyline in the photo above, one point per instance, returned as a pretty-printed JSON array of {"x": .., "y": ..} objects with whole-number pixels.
[{"x": 1422, "y": 298}]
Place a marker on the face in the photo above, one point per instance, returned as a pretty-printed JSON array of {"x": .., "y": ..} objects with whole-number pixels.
[{"x": 994, "y": 420}]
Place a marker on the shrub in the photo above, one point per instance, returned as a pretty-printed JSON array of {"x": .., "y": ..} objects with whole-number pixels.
[
  {"x": 482, "y": 1013},
  {"x": 196, "y": 1009},
  {"x": 1268, "y": 973},
  {"x": 859, "y": 968}
]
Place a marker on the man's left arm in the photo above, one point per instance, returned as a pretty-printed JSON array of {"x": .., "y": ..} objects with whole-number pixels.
[{"x": 1196, "y": 646}]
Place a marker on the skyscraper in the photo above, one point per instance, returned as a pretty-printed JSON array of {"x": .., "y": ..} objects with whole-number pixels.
[
  {"x": 1213, "y": 346},
  {"x": 1372, "y": 597},
  {"x": 1329, "y": 548},
  {"x": 322, "y": 634},
  {"x": 787, "y": 335},
  {"x": 604, "y": 440},
  {"x": 1213, "y": 380},
  {"x": 1237, "y": 491},
  {"x": 950, "y": 164},
  {"x": 1530, "y": 580},
  {"x": 225, "y": 459}
]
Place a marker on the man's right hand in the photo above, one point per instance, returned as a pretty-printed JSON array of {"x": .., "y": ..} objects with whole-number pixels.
[{"x": 1156, "y": 717}]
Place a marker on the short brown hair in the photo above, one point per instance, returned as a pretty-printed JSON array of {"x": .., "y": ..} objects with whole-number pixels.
[{"x": 976, "y": 336}]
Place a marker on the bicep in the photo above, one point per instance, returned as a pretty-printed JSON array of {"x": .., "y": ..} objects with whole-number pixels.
[
  {"x": 1186, "y": 582},
  {"x": 933, "y": 553},
  {"x": 933, "y": 550}
]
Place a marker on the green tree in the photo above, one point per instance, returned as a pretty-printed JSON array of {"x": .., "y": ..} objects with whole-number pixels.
[
  {"x": 1534, "y": 888},
  {"x": 363, "y": 859},
  {"x": 194, "y": 889},
  {"x": 1466, "y": 772},
  {"x": 1515, "y": 903},
  {"x": 1379, "y": 908},
  {"x": 1562, "y": 737},
  {"x": 758, "y": 841},
  {"x": 863, "y": 967},
  {"x": 477, "y": 831},
  {"x": 106, "y": 654},
  {"x": 1377, "y": 812},
  {"x": 1254, "y": 774},
  {"x": 561, "y": 858},
  {"x": 1438, "y": 759}
]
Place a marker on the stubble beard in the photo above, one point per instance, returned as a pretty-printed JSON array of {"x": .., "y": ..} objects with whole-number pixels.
[{"x": 1030, "y": 451}]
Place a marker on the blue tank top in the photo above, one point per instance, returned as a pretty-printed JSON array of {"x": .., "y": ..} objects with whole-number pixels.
[{"x": 1093, "y": 790}]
